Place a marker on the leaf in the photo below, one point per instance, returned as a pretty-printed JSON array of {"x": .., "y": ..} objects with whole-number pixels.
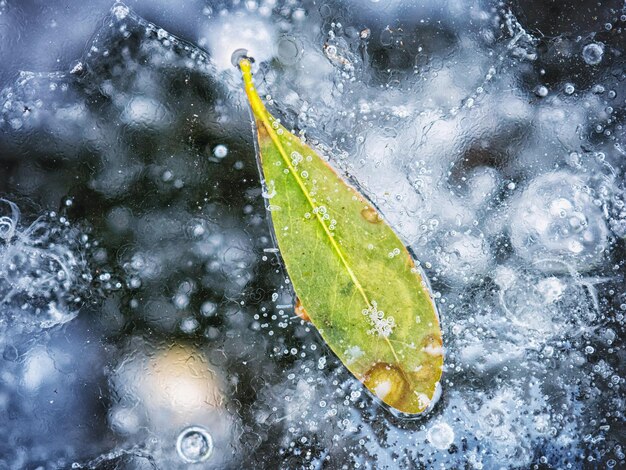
[{"x": 353, "y": 276}]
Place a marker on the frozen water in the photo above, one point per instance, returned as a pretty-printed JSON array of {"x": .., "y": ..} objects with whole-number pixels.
[
  {"x": 440, "y": 435},
  {"x": 43, "y": 271},
  {"x": 194, "y": 444},
  {"x": 145, "y": 319},
  {"x": 556, "y": 217},
  {"x": 592, "y": 53}
]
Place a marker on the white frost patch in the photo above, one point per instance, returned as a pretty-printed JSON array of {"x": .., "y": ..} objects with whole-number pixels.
[
  {"x": 120, "y": 11},
  {"x": 382, "y": 389},
  {"x": 57, "y": 316},
  {"x": 39, "y": 367},
  {"x": 423, "y": 400},
  {"x": 504, "y": 277},
  {"x": 551, "y": 288},
  {"x": 380, "y": 325},
  {"x": 353, "y": 353},
  {"x": 142, "y": 110},
  {"x": 124, "y": 421},
  {"x": 433, "y": 350}
]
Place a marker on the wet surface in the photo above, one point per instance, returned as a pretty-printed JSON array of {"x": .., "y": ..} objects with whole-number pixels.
[{"x": 145, "y": 318}]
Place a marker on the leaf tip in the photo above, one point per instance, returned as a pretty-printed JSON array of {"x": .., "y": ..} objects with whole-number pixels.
[{"x": 240, "y": 55}]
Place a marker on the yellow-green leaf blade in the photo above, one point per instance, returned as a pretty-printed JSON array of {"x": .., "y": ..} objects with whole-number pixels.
[{"x": 352, "y": 274}]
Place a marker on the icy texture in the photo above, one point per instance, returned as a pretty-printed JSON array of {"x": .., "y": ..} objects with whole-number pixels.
[
  {"x": 142, "y": 304},
  {"x": 43, "y": 272}
]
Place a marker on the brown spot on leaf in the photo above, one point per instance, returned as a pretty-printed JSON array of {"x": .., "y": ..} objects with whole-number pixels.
[
  {"x": 371, "y": 215},
  {"x": 262, "y": 133},
  {"x": 433, "y": 345},
  {"x": 426, "y": 372},
  {"x": 432, "y": 339},
  {"x": 301, "y": 312},
  {"x": 389, "y": 383}
]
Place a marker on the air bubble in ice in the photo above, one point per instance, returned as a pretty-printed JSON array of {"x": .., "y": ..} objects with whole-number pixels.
[
  {"x": 440, "y": 435},
  {"x": 386, "y": 37},
  {"x": 194, "y": 444},
  {"x": 181, "y": 301},
  {"x": 208, "y": 309},
  {"x": 41, "y": 272},
  {"x": 288, "y": 50},
  {"x": 298, "y": 14},
  {"x": 220, "y": 151},
  {"x": 569, "y": 88},
  {"x": 9, "y": 223},
  {"x": 555, "y": 216},
  {"x": 10, "y": 353},
  {"x": 189, "y": 325},
  {"x": 592, "y": 53}
]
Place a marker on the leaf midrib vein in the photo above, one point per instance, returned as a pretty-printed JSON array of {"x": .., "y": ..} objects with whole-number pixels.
[{"x": 261, "y": 113}]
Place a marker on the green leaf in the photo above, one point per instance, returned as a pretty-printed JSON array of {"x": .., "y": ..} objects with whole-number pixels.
[{"x": 350, "y": 271}]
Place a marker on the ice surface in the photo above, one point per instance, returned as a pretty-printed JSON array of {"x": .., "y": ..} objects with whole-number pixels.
[
  {"x": 145, "y": 320},
  {"x": 43, "y": 271}
]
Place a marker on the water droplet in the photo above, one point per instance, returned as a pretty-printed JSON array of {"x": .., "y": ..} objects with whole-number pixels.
[{"x": 194, "y": 444}]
